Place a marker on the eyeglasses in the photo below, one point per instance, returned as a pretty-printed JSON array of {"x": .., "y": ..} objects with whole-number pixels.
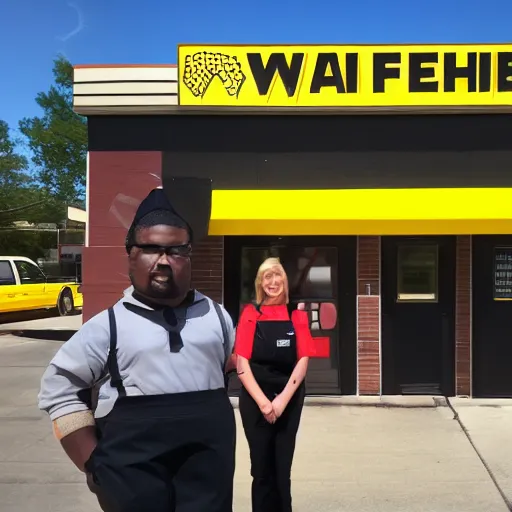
[{"x": 181, "y": 251}]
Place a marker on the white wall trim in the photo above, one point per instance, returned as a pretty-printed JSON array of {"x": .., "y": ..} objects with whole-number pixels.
[
  {"x": 357, "y": 316},
  {"x": 380, "y": 316},
  {"x": 87, "y": 200},
  {"x": 471, "y": 316},
  {"x": 222, "y": 269}
]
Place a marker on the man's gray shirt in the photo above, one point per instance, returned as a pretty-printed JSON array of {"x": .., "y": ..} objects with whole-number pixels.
[{"x": 146, "y": 363}]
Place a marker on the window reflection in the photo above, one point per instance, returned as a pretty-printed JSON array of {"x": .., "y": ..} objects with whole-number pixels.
[
  {"x": 417, "y": 273},
  {"x": 311, "y": 270},
  {"x": 322, "y": 316},
  {"x": 328, "y": 316}
]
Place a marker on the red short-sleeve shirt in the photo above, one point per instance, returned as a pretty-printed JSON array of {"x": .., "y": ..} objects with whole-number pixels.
[{"x": 247, "y": 327}]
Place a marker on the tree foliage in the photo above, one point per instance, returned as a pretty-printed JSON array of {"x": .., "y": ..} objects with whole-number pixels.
[
  {"x": 58, "y": 139},
  {"x": 21, "y": 199},
  {"x": 13, "y": 166},
  {"x": 15, "y": 183},
  {"x": 31, "y": 244}
]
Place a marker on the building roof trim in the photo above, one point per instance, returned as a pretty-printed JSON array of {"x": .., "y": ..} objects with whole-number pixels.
[{"x": 117, "y": 89}]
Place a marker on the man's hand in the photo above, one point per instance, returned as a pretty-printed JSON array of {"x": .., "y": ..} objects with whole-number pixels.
[
  {"x": 103, "y": 502},
  {"x": 268, "y": 412},
  {"x": 279, "y": 405},
  {"x": 93, "y": 486}
]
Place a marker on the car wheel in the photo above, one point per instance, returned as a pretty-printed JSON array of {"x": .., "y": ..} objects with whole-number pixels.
[{"x": 65, "y": 305}]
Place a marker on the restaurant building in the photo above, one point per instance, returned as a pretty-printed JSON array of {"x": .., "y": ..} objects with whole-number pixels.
[{"x": 380, "y": 175}]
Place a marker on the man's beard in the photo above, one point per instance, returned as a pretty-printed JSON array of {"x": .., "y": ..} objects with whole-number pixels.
[
  {"x": 163, "y": 290},
  {"x": 158, "y": 290}
]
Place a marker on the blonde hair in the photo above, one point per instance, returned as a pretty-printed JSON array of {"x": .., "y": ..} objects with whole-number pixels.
[{"x": 268, "y": 264}]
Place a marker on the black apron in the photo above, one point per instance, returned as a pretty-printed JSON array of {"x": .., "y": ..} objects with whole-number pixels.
[
  {"x": 155, "y": 454},
  {"x": 274, "y": 355}
]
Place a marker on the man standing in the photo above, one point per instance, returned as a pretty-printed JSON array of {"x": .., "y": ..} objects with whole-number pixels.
[{"x": 162, "y": 437}]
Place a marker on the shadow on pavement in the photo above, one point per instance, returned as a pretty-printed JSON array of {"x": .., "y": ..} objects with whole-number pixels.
[
  {"x": 26, "y": 316},
  {"x": 43, "y": 334}
]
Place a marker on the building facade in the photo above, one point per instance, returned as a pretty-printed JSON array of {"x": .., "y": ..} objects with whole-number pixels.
[{"x": 381, "y": 176}]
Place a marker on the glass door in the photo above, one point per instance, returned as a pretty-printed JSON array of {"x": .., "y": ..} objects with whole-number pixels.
[{"x": 313, "y": 281}]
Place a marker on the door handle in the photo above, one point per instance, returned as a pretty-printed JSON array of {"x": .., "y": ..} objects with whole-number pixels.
[{"x": 11, "y": 295}]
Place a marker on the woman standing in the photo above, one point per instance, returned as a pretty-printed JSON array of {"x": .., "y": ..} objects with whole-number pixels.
[{"x": 273, "y": 349}]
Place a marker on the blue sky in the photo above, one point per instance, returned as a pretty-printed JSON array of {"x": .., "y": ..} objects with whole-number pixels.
[{"x": 33, "y": 32}]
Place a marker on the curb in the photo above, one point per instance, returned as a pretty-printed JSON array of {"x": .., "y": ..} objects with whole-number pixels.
[{"x": 385, "y": 402}]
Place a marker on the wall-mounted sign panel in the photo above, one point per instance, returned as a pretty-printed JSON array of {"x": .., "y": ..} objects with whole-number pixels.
[
  {"x": 502, "y": 287},
  {"x": 320, "y": 76}
]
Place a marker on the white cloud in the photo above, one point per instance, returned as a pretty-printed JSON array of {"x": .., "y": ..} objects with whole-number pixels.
[{"x": 80, "y": 25}]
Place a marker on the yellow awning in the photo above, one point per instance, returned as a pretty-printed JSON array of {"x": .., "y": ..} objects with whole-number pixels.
[{"x": 425, "y": 211}]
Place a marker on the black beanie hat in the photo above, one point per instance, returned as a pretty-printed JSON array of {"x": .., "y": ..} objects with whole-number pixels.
[{"x": 182, "y": 202}]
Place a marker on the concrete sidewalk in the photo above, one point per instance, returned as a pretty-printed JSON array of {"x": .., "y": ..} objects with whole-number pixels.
[
  {"x": 349, "y": 458},
  {"x": 489, "y": 424}
]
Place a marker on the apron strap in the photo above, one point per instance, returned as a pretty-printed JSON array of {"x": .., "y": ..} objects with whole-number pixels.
[
  {"x": 225, "y": 336},
  {"x": 115, "y": 377},
  {"x": 223, "y": 325}
]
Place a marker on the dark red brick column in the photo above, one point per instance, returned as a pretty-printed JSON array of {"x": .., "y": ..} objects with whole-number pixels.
[
  {"x": 368, "y": 315},
  {"x": 118, "y": 181},
  {"x": 463, "y": 316}
]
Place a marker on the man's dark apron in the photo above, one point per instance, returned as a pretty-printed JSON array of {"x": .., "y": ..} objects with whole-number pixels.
[
  {"x": 272, "y": 446},
  {"x": 162, "y": 453}
]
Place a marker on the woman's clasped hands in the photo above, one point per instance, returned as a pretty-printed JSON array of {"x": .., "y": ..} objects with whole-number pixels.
[{"x": 273, "y": 410}]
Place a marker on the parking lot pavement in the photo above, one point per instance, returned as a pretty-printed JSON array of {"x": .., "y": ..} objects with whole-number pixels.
[{"x": 349, "y": 458}]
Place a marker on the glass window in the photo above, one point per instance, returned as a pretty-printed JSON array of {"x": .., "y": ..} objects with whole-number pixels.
[
  {"x": 6, "y": 274},
  {"x": 417, "y": 273},
  {"x": 29, "y": 273},
  {"x": 311, "y": 271}
]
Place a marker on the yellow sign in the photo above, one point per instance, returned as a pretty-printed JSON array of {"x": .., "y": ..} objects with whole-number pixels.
[{"x": 345, "y": 76}]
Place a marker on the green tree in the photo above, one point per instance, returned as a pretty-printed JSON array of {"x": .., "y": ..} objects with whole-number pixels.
[
  {"x": 20, "y": 196},
  {"x": 15, "y": 183},
  {"x": 58, "y": 139}
]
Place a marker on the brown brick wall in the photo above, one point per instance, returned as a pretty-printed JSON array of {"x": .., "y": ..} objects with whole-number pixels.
[
  {"x": 368, "y": 315},
  {"x": 207, "y": 264},
  {"x": 463, "y": 316}
]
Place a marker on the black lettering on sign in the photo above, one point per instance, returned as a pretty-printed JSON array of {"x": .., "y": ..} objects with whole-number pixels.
[
  {"x": 381, "y": 72},
  {"x": 320, "y": 76},
  {"x": 263, "y": 75},
  {"x": 330, "y": 61},
  {"x": 504, "y": 72},
  {"x": 484, "y": 72},
  {"x": 417, "y": 72},
  {"x": 352, "y": 71},
  {"x": 452, "y": 72}
]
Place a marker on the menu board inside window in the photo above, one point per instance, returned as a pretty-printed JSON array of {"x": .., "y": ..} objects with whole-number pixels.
[{"x": 502, "y": 273}]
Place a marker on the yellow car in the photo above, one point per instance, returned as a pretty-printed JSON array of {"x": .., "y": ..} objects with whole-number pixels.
[{"x": 25, "y": 287}]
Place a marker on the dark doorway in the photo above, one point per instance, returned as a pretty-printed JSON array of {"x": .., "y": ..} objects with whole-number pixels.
[
  {"x": 492, "y": 316},
  {"x": 418, "y": 315},
  {"x": 322, "y": 275}
]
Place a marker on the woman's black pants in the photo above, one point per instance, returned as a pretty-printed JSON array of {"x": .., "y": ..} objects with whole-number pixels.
[{"x": 271, "y": 448}]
